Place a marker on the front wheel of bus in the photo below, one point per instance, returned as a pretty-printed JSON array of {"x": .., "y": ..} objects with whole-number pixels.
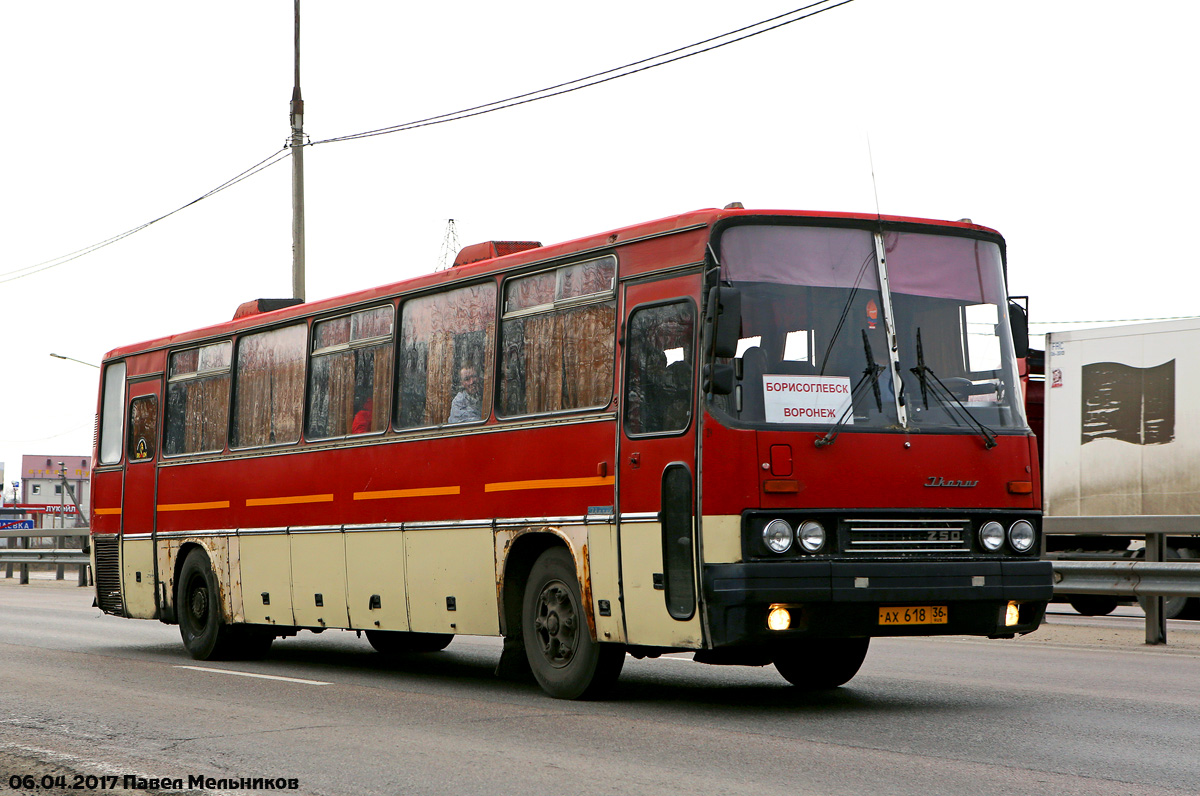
[
  {"x": 822, "y": 663},
  {"x": 198, "y": 606},
  {"x": 567, "y": 663}
]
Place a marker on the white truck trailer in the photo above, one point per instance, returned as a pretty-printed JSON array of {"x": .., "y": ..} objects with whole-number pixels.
[{"x": 1122, "y": 447}]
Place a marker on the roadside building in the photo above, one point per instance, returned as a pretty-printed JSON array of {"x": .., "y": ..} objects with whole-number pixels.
[{"x": 43, "y": 479}]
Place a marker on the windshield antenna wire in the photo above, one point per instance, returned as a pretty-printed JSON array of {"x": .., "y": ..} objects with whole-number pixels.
[{"x": 874, "y": 184}]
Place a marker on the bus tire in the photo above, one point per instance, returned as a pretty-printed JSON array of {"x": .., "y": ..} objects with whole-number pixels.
[
  {"x": 392, "y": 642},
  {"x": 198, "y": 608},
  {"x": 566, "y": 661},
  {"x": 1093, "y": 604},
  {"x": 820, "y": 664}
]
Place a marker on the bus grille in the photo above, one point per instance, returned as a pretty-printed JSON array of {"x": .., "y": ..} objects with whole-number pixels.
[
  {"x": 907, "y": 537},
  {"x": 108, "y": 574}
]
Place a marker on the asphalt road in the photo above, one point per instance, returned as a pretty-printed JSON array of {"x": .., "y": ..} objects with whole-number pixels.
[{"x": 1080, "y": 707}]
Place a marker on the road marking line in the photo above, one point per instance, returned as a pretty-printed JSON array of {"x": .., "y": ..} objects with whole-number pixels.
[{"x": 248, "y": 674}]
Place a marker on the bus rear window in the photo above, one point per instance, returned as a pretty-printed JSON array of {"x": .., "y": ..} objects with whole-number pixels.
[{"x": 111, "y": 413}]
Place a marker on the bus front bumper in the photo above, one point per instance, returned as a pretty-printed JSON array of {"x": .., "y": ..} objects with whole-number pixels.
[{"x": 847, "y": 598}]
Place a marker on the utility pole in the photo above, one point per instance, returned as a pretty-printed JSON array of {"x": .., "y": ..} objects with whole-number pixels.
[
  {"x": 62, "y": 512},
  {"x": 297, "y": 145}
]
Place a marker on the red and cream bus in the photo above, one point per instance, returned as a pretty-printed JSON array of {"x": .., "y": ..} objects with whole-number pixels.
[{"x": 761, "y": 436}]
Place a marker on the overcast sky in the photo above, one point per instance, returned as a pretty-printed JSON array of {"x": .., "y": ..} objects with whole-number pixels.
[{"x": 1067, "y": 125}]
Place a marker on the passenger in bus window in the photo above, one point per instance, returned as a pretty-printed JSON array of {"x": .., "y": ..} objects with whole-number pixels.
[
  {"x": 466, "y": 406},
  {"x": 362, "y": 418}
]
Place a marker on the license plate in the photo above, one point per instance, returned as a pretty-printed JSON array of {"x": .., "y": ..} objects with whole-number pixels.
[{"x": 914, "y": 615}]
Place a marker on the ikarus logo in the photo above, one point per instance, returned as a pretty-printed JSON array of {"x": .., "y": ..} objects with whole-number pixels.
[{"x": 935, "y": 480}]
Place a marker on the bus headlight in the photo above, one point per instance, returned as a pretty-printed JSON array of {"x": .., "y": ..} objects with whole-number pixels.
[
  {"x": 1021, "y": 536},
  {"x": 777, "y": 536},
  {"x": 991, "y": 536},
  {"x": 812, "y": 536}
]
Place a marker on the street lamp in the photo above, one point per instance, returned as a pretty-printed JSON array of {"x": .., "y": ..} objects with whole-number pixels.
[{"x": 73, "y": 359}]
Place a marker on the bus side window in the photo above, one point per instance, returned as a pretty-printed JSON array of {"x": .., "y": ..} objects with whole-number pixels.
[
  {"x": 143, "y": 427},
  {"x": 197, "y": 407},
  {"x": 445, "y": 358},
  {"x": 269, "y": 387},
  {"x": 350, "y": 374},
  {"x": 659, "y": 370},
  {"x": 558, "y": 339}
]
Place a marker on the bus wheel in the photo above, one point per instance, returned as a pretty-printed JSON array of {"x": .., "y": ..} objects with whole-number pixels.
[
  {"x": 567, "y": 663},
  {"x": 823, "y": 663},
  {"x": 391, "y": 642},
  {"x": 198, "y": 606},
  {"x": 1092, "y": 604}
]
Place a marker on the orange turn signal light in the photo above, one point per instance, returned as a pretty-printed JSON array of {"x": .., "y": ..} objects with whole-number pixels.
[{"x": 1020, "y": 487}]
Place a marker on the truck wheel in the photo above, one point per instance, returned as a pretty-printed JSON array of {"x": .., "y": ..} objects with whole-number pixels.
[
  {"x": 819, "y": 664},
  {"x": 565, "y": 660},
  {"x": 391, "y": 642},
  {"x": 198, "y": 606},
  {"x": 1093, "y": 604}
]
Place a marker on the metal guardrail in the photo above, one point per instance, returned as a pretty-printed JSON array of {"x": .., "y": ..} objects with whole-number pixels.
[
  {"x": 1151, "y": 578},
  {"x": 24, "y": 554},
  {"x": 1126, "y": 578}
]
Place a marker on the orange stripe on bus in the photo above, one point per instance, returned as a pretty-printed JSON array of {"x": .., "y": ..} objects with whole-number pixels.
[
  {"x": 106, "y": 511},
  {"x": 549, "y": 483},
  {"x": 429, "y": 491},
  {"x": 217, "y": 504},
  {"x": 285, "y": 501}
]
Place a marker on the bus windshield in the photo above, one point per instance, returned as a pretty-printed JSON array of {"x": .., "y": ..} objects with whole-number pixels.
[{"x": 815, "y": 345}]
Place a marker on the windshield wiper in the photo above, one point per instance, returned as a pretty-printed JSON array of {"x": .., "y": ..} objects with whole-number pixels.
[
  {"x": 930, "y": 383},
  {"x": 862, "y": 270},
  {"x": 871, "y": 371}
]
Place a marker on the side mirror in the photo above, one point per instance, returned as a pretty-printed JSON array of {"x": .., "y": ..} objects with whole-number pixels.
[
  {"x": 1019, "y": 322},
  {"x": 723, "y": 320},
  {"x": 717, "y": 379}
]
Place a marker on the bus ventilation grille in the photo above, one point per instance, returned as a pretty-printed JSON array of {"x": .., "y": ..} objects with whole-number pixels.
[
  {"x": 108, "y": 575},
  {"x": 908, "y": 537}
]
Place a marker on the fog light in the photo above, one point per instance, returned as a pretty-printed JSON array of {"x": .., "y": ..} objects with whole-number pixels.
[
  {"x": 991, "y": 536},
  {"x": 777, "y": 536},
  {"x": 779, "y": 618},
  {"x": 1012, "y": 616},
  {"x": 1020, "y": 536}
]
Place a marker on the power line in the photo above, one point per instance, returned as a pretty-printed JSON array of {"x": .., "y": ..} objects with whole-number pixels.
[
  {"x": 678, "y": 54},
  {"x": 30, "y": 270},
  {"x": 642, "y": 65}
]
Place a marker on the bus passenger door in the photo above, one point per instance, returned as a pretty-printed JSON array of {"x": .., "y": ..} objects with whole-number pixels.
[
  {"x": 138, "y": 500},
  {"x": 657, "y": 464}
]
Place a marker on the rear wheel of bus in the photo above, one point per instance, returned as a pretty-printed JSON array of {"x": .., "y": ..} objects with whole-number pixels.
[
  {"x": 821, "y": 663},
  {"x": 566, "y": 661},
  {"x": 205, "y": 634}
]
